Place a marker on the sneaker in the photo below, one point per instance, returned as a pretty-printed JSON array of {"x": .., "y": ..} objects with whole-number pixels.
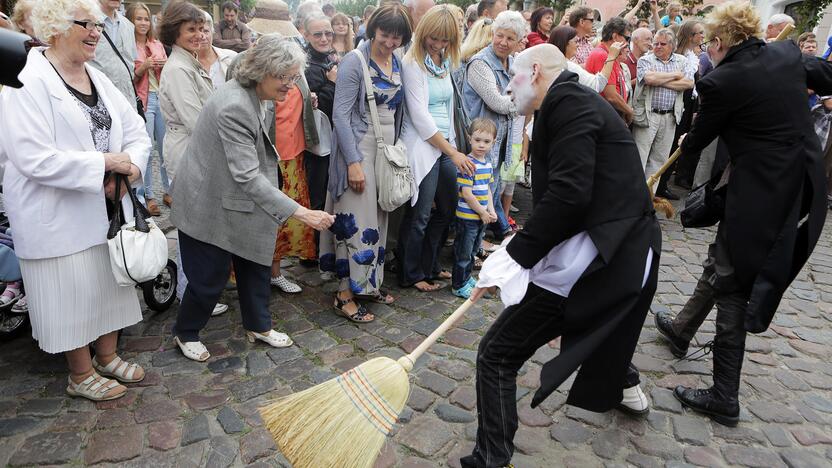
[
  {"x": 21, "y": 306},
  {"x": 286, "y": 285},
  {"x": 514, "y": 209},
  {"x": 463, "y": 292},
  {"x": 11, "y": 295},
  {"x": 634, "y": 402},
  {"x": 471, "y": 281},
  {"x": 219, "y": 309}
]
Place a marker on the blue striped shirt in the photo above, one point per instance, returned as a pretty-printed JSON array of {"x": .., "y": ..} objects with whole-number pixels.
[{"x": 478, "y": 183}]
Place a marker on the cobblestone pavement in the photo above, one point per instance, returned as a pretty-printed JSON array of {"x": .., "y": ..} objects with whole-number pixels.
[{"x": 193, "y": 414}]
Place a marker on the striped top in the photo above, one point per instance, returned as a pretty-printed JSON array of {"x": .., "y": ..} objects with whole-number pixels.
[{"x": 479, "y": 186}]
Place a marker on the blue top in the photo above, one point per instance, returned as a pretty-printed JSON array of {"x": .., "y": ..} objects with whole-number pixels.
[
  {"x": 666, "y": 20},
  {"x": 440, "y": 95},
  {"x": 478, "y": 183}
]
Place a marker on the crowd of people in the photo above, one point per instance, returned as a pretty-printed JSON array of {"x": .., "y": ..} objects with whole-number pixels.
[{"x": 268, "y": 132}]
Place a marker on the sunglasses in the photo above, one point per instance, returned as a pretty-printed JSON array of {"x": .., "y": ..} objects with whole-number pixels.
[{"x": 320, "y": 34}]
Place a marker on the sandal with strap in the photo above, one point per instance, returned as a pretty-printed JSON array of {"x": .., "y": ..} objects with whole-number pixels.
[
  {"x": 381, "y": 297},
  {"x": 361, "y": 316},
  {"x": 120, "y": 370},
  {"x": 194, "y": 350},
  {"x": 95, "y": 388}
]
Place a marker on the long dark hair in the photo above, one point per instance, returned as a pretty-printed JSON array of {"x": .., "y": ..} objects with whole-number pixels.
[{"x": 561, "y": 36}]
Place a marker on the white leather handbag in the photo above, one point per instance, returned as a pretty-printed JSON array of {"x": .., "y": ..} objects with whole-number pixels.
[
  {"x": 324, "y": 146},
  {"x": 138, "y": 249}
]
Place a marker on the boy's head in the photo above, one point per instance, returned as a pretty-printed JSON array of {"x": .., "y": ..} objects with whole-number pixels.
[
  {"x": 483, "y": 133},
  {"x": 809, "y": 46}
]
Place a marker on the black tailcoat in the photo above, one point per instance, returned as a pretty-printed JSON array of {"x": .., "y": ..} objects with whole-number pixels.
[
  {"x": 755, "y": 101},
  {"x": 587, "y": 176}
]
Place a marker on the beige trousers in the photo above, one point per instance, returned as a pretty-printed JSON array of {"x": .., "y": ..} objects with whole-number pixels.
[{"x": 654, "y": 141}]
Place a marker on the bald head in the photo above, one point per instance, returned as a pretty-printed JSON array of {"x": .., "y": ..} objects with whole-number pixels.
[
  {"x": 547, "y": 56},
  {"x": 418, "y": 8},
  {"x": 535, "y": 69},
  {"x": 640, "y": 41}
]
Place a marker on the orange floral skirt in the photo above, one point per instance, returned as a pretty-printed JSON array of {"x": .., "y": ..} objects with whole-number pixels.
[{"x": 295, "y": 239}]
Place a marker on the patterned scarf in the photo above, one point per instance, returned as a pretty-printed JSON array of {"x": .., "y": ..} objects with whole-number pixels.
[{"x": 437, "y": 71}]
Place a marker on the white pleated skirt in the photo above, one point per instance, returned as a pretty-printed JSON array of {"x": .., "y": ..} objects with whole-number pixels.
[{"x": 73, "y": 300}]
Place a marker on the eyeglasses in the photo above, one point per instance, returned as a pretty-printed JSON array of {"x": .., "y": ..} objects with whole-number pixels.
[
  {"x": 589, "y": 19},
  {"x": 289, "y": 79},
  {"x": 627, "y": 39},
  {"x": 320, "y": 34},
  {"x": 90, "y": 25},
  {"x": 660, "y": 44},
  {"x": 704, "y": 46}
]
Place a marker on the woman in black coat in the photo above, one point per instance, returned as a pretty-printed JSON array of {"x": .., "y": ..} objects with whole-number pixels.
[{"x": 755, "y": 101}]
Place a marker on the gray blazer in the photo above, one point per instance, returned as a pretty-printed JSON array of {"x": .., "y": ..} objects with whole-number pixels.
[{"x": 226, "y": 189}]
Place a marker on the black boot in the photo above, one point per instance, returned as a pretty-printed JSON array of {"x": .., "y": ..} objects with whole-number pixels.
[
  {"x": 664, "y": 323},
  {"x": 720, "y": 402},
  {"x": 703, "y": 401},
  {"x": 664, "y": 192}
]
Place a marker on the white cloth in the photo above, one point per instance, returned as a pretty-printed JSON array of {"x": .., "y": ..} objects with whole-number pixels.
[
  {"x": 594, "y": 81},
  {"x": 418, "y": 125},
  {"x": 74, "y": 299},
  {"x": 54, "y": 180},
  {"x": 557, "y": 272}
]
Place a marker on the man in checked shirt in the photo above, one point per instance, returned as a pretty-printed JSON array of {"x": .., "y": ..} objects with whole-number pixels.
[{"x": 662, "y": 77}]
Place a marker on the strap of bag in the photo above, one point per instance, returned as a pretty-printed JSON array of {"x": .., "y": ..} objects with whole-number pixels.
[
  {"x": 115, "y": 49},
  {"x": 371, "y": 99},
  {"x": 140, "y": 213}
]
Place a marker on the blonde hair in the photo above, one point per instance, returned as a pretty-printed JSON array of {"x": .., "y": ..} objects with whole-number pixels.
[
  {"x": 439, "y": 22},
  {"x": 131, "y": 15},
  {"x": 21, "y": 9},
  {"x": 349, "y": 42},
  {"x": 733, "y": 22},
  {"x": 53, "y": 18},
  {"x": 479, "y": 36}
]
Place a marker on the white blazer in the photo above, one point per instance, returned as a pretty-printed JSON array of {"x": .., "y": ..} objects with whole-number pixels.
[
  {"x": 53, "y": 185},
  {"x": 418, "y": 125}
]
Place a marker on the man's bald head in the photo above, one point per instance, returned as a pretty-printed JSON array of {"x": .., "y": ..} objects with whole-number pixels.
[
  {"x": 535, "y": 69},
  {"x": 641, "y": 41},
  {"x": 547, "y": 56}
]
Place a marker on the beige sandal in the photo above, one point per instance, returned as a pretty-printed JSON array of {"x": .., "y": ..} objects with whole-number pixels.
[
  {"x": 194, "y": 350},
  {"x": 95, "y": 388},
  {"x": 120, "y": 370}
]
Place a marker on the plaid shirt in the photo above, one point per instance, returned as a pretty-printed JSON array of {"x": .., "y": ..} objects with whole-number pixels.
[
  {"x": 664, "y": 98},
  {"x": 584, "y": 49}
]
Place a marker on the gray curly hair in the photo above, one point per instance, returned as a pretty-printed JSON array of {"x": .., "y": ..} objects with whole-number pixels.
[{"x": 272, "y": 55}]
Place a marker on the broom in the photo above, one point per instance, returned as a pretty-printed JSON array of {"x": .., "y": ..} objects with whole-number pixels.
[
  {"x": 344, "y": 421},
  {"x": 664, "y": 205}
]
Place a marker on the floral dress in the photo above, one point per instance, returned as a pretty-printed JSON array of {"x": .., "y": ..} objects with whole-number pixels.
[{"x": 354, "y": 247}]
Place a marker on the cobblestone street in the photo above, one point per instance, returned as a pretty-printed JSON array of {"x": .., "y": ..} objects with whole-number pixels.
[{"x": 186, "y": 413}]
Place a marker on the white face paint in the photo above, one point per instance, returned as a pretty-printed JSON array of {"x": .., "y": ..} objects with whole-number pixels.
[{"x": 522, "y": 89}]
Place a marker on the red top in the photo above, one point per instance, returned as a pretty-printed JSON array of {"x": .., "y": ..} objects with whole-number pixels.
[
  {"x": 289, "y": 125},
  {"x": 536, "y": 38},
  {"x": 595, "y": 63},
  {"x": 153, "y": 49}
]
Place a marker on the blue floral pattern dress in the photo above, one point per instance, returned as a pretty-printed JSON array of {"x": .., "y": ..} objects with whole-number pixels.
[{"x": 354, "y": 247}]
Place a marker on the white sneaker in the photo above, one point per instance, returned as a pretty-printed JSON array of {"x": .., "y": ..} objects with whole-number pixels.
[
  {"x": 635, "y": 401},
  {"x": 286, "y": 285},
  {"x": 272, "y": 338},
  {"x": 514, "y": 209},
  {"x": 219, "y": 309}
]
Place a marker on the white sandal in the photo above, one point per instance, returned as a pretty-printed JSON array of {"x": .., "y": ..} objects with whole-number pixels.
[
  {"x": 194, "y": 350},
  {"x": 219, "y": 309},
  {"x": 286, "y": 285},
  {"x": 120, "y": 370},
  {"x": 94, "y": 388},
  {"x": 272, "y": 338}
]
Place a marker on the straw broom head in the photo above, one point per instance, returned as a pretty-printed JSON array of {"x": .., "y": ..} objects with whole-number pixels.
[{"x": 344, "y": 421}]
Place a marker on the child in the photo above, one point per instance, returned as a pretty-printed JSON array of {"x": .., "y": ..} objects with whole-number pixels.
[{"x": 475, "y": 208}]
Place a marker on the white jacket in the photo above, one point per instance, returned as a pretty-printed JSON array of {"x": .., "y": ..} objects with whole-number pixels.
[
  {"x": 53, "y": 184},
  {"x": 418, "y": 125}
]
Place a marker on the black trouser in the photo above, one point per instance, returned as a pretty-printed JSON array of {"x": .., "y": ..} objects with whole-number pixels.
[
  {"x": 317, "y": 178},
  {"x": 513, "y": 338},
  {"x": 207, "y": 268},
  {"x": 717, "y": 286}
]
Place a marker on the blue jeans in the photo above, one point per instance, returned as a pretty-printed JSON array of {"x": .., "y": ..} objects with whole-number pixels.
[
  {"x": 501, "y": 227},
  {"x": 423, "y": 233},
  {"x": 156, "y": 130},
  {"x": 466, "y": 244}
]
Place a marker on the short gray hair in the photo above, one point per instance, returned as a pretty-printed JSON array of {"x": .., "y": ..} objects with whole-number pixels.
[
  {"x": 271, "y": 55},
  {"x": 209, "y": 19},
  {"x": 315, "y": 16},
  {"x": 780, "y": 18},
  {"x": 511, "y": 20},
  {"x": 53, "y": 18},
  {"x": 306, "y": 9},
  {"x": 671, "y": 37}
]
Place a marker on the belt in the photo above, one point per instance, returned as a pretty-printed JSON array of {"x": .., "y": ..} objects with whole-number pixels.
[{"x": 658, "y": 111}]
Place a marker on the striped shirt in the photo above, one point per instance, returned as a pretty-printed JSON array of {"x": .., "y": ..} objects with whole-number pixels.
[{"x": 478, "y": 183}]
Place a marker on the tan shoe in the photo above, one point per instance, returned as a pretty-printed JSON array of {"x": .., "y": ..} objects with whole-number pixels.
[
  {"x": 153, "y": 207},
  {"x": 167, "y": 200}
]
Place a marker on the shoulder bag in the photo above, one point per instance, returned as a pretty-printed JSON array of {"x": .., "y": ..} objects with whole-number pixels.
[
  {"x": 394, "y": 179},
  {"x": 461, "y": 121},
  {"x": 138, "y": 249},
  {"x": 705, "y": 205},
  {"x": 139, "y": 106}
]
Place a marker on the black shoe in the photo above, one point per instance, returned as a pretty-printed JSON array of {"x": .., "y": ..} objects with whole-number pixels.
[
  {"x": 726, "y": 413},
  {"x": 664, "y": 323},
  {"x": 666, "y": 193}
]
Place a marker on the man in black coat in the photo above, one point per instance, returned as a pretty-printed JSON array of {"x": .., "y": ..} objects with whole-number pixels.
[
  {"x": 755, "y": 102},
  {"x": 588, "y": 187}
]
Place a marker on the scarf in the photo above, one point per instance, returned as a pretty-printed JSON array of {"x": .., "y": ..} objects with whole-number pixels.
[{"x": 437, "y": 71}]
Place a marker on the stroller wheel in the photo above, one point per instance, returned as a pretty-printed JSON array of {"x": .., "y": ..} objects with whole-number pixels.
[{"x": 160, "y": 292}]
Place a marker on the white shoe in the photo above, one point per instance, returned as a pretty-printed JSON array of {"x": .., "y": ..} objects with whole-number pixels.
[
  {"x": 635, "y": 401},
  {"x": 514, "y": 209},
  {"x": 193, "y": 349},
  {"x": 272, "y": 338},
  {"x": 286, "y": 285},
  {"x": 219, "y": 309}
]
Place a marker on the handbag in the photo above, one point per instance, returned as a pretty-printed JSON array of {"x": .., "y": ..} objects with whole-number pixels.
[
  {"x": 139, "y": 105},
  {"x": 394, "y": 178},
  {"x": 324, "y": 146},
  {"x": 461, "y": 122},
  {"x": 705, "y": 204},
  {"x": 138, "y": 249}
]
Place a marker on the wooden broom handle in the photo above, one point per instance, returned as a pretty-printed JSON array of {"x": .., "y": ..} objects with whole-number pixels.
[
  {"x": 430, "y": 340},
  {"x": 784, "y": 34},
  {"x": 651, "y": 181}
]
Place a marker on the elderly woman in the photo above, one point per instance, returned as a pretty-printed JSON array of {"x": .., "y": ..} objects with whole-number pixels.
[
  {"x": 541, "y": 23},
  {"x": 484, "y": 96},
  {"x": 354, "y": 249},
  {"x": 213, "y": 59},
  {"x": 57, "y": 181},
  {"x": 150, "y": 60},
  {"x": 21, "y": 17},
  {"x": 565, "y": 38},
  {"x": 344, "y": 39},
  {"x": 428, "y": 133},
  {"x": 227, "y": 203}
]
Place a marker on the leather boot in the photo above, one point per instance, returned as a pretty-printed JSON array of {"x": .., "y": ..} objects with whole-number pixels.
[
  {"x": 664, "y": 324},
  {"x": 719, "y": 402}
]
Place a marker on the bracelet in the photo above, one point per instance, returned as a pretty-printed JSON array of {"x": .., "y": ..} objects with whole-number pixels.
[{"x": 611, "y": 60}]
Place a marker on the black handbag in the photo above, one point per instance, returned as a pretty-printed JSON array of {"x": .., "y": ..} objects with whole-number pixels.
[
  {"x": 139, "y": 105},
  {"x": 705, "y": 204},
  {"x": 461, "y": 122}
]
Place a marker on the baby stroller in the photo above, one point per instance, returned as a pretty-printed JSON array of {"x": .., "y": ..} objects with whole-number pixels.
[
  {"x": 14, "y": 320},
  {"x": 160, "y": 292}
]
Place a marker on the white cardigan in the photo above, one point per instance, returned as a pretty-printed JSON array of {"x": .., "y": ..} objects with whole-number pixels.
[
  {"x": 418, "y": 125},
  {"x": 596, "y": 81},
  {"x": 53, "y": 185}
]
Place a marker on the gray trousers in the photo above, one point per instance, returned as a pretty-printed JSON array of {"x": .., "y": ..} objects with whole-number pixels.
[
  {"x": 654, "y": 141},
  {"x": 706, "y": 164}
]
